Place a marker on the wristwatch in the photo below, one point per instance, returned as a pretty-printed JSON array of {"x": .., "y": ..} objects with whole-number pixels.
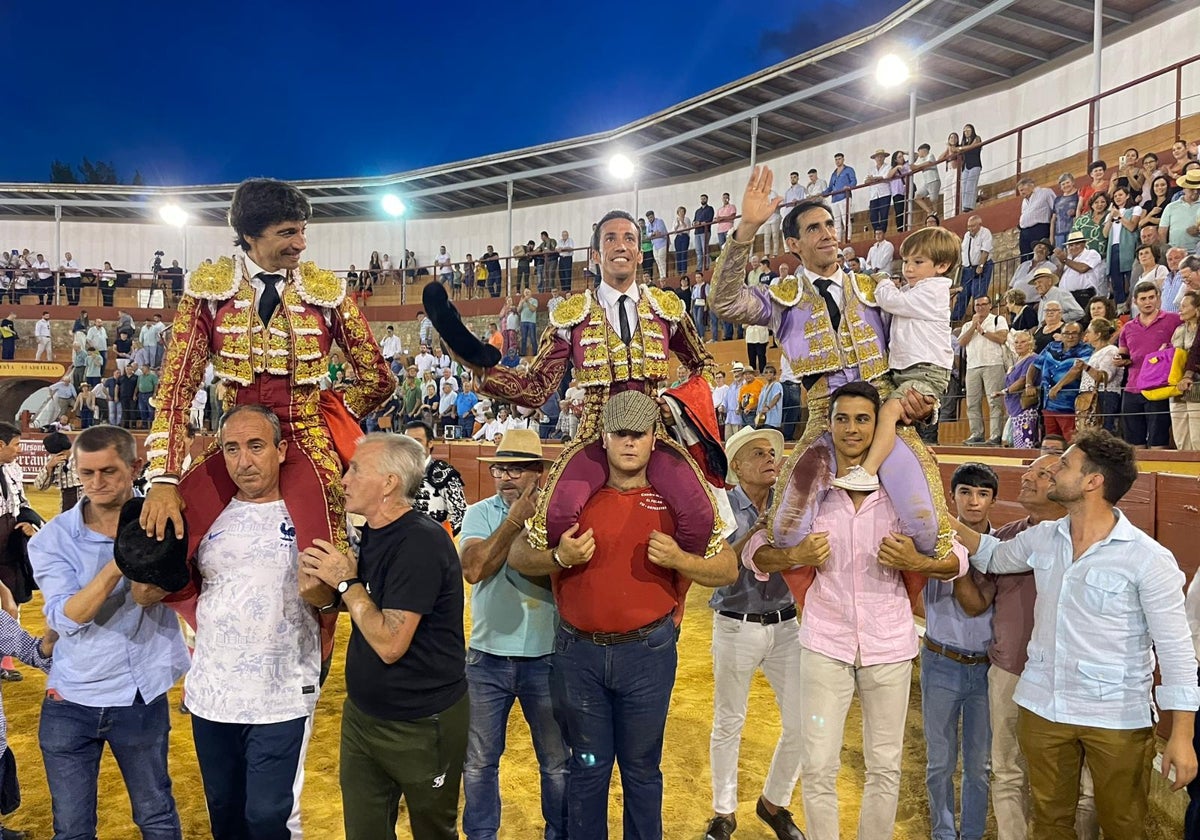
[{"x": 347, "y": 583}]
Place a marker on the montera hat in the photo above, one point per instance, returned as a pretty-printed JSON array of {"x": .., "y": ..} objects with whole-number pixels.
[
  {"x": 144, "y": 559},
  {"x": 56, "y": 442}
]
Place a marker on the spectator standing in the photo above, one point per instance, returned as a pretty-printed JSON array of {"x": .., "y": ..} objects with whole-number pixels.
[
  {"x": 841, "y": 181},
  {"x": 491, "y": 259},
  {"x": 441, "y": 496},
  {"x": 656, "y": 228},
  {"x": 8, "y": 337},
  {"x": 770, "y": 402},
  {"x": 444, "y": 266},
  {"x": 1144, "y": 423},
  {"x": 41, "y": 331},
  {"x": 1099, "y": 378},
  {"x": 816, "y": 186},
  {"x": 566, "y": 261},
  {"x": 528, "y": 321},
  {"x": 97, "y": 339},
  {"x": 703, "y": 218},
  {"x": 1185, "y": 408},
  {"x": 928, "y": 193},
  {"x": 1037, "y": 215},
  {"x": 972, "y": 166},
  {"x": 1066, "y": 205},
  {"x": 984, "y": 340},
  {"x": 1056, "y": 373},
  {"x": 795, "y": 191},
  {"x": 977, "y": 266},
  {"x": 1181, "y": 219},
  {"x": 879, "y": 191},
  {"x": 756, "y": 347},
  {"x": 1020, "y": 399},
  {"x": 71, "y": 278},
  {"x": 897, "y": 182},
  {"x": 726, "y": 213},
  {"x": 1121, "y": 228},
  {"x": 682, "y": 244},
  {"x": 405, "y": 721}
]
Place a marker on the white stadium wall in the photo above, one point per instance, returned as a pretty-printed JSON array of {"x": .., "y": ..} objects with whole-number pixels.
[{"x": 131, "y": 246}]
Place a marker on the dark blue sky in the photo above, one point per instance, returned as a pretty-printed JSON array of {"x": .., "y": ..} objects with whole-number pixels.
[{"x": 214, "y": 92}]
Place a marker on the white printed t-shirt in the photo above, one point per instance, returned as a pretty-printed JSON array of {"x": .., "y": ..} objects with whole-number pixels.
[{"x": 258, "y": 644}]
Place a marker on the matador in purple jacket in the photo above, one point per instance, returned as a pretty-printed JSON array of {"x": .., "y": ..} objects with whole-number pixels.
[{"x": 829, "y": 328}]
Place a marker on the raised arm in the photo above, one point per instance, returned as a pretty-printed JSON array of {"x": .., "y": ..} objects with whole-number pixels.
[
  {"x": 373, "y": 381},
  {"x": 533, "y": 388},
  {"x": 728, "y": 295}
]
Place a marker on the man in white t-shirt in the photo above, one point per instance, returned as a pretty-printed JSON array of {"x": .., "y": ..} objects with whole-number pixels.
[
  {"x": 882, "y": 254},
  {"x": 255, "y": 675},
  {"x": 1082, "y": 272},
  {"x": 41, "y": 331},
  {"x": 424, "y": 360},
  {"x": 445, "y": 266},
  {"x": 390, "y": 346}
]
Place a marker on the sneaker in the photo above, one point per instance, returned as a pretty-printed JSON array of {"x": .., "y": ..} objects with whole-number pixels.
[
  {"x": 973, "y": 440},
  {"x": 995, "y": 442},
  {"x": 720, "y": 827},
  {"x": 858, "y": 480}
]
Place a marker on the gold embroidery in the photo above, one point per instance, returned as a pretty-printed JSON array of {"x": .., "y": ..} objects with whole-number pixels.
[
  {"x": 319, "y": 287},
  {"x": 215, "y": 281},
  {"x": 786, "y": 292},
  {"x": 571, "y": 311},
  {"x": 666, "y": 304}
]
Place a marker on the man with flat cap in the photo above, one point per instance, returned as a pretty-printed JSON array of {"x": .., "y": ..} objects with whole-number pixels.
[
  {"x": 513, "y": 620},
  {"x": 114, "y": 661},
  {"x": 619, "y": 579}
]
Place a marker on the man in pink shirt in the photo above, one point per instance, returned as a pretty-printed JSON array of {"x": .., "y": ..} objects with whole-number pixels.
[
  {"x": 726, "y": 213},
  {"x": 1145, "y": 423},
  {"x": 856, "y": 629}
]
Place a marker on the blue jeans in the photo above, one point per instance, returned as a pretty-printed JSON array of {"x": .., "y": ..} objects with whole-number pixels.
[
  {"x": 1118, "y": 278},
  {"x": 72, "y": 738},
  {"x": 529, "y": 333},
  {"x": 703, "y": 261},
  {"x": 975, "y": 283},
  {"x": 700, "y": 319},
  {"x": 495, "y": 682},
  {"x": 145, "y": 410},
  {"x": 611, "y": 701},
  {"x": 951, "y": 691}
]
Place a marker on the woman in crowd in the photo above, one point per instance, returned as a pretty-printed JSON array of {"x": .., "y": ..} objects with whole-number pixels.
[
  {"x": 684, "y": 292},
  {"x": 374, "y": 266},
  {"x": 1066, "y": 206},
  {"x": 1022, "y": 315},
  {"x": 1022, "y": 410},
  {"x": 1099, "y": 400},
  {"x": 1106, "y": 308},
  {"x": 336, "y": 364},
  {"x": 1185, "y": 409},
  {"x": 1043, "y": 255},
  {"x": 972, "y": 166},
  {"x": 933, "y": 220},
  {"x": 950, "y": 182},
  {"x": 8, "y": 336},
  {"x": 1179, "y": 158},
  {"x": 1149, "y": 266},
  {"x": 107, "y": 283},
  {"x": 1092, "y": 223},
  {"x": 647, "y": 250},
  {"x": 1121, "y": 230},
  {"x": 683, "y": 239},
  {"x": 1160, "y": 197},
  {"x": 1056, "y": 373},
  {"x": 85, "y": 406},
  {"x": 1051, "y": 325},
  {"x": 899, "y": 186},
  {"x": 510, "y": 323}
]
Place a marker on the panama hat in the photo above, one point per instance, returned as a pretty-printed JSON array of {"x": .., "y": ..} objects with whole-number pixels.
[
  {"x": 1076, "y": 237},
  {"x": 744, "y": 436},
  {"x": 517, "y": 446},
  {"x": 1189, "y": 180},
  {"x": 879, "y": 153}
]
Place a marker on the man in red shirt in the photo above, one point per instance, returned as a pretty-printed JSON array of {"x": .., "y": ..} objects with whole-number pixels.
[{"x": 619, "y": 580}]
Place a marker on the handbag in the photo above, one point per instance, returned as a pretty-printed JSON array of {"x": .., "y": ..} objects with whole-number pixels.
[
  {"x": 1085, "y": 410},
  {"x": 1161, "y": 372},
  {"x": 1029, "y": 400}
]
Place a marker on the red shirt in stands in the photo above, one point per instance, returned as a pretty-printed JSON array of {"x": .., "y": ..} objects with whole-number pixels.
[{"x": 619, "y": 589}]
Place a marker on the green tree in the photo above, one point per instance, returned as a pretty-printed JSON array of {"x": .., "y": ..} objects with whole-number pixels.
[{"x": 62, "y": 173}]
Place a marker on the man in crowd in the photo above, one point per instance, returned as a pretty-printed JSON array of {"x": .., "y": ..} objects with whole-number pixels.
[
  {"x": 1046, "y": 282},
  {"x": 1082, "y": 268},
  {"x": 41, "y": 331},
  {"x": 151, "y": 339},
  {"x": 726, "y": 213},
  {"x": 815, "y": 187},
  {"x": 115, "y": 660},
  {"x": 954, "y": 687},
  {"x": 983, "y": 340},
  {"x": 881, "y": 255},
  {"x": 97, "y": 339},
  {"x": 405, "y": 721},
  {"x": 619, "y": 580},
  {"x": 770, "y": 401},
  {"x": 703, "y": 218},
  {"x": 1098, "y": 635},
  {"x": 1173, "y": 283},
  {"x": 528, "y": 310},
  {"x": 656, "y": 229},
  {"x": 566, "y": 261},
  {"x": 1180, "y": 221},
  {"x": 754, "y": 627},
  {"x": 1037, "y": 207},
  {"x": 841, "y": 180},
  {"x": 127, "y": 392},
  {"x": 513, "y": 620},
  {"x": 71, "y": 278},
  {"x": 390, "y": 347},
  {"x": 977, "y": 267},
  {"x": 1010, "y": 599},
  {"x": 857, "y": 633},
  {"x": 254, "y": 681},
  {"x": 441, "y": 496},
  {"x": 1144, "y": 423},
  {"x": 147, "y": 383}
]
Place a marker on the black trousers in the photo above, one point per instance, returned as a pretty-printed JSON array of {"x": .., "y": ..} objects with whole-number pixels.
[
  {"x": 756, "y": 354},
  {"x": 879, "y": 212}
]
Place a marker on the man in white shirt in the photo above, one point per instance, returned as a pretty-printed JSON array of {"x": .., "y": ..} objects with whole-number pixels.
[
  {"x": 879, "y": 190},
  {"x": 882, "y": 254},
  {"x": 1082, "y": 268},
  {"x": 71, "y": 278},
  {"x": 1045, "y": 281},
  {"x": 390, "y": 346},
  {"x": 41, "y": 331},
  {"x": 151, "y": 338},
  {"x": 976, "y": 267},
  {"x": 983, "y": 338},
  {"x": 445, "y": 266},
  {"x": 566, "y": 261},
  {"x": 795, "y": 191},
  {"x": 816, "y": 185},
  {"x": 720, "y": 392},
  {"x": 255, "y": 674},
  {"x": 424, "y": 361},
  {"x": 44, "y": 281},
  {"x": 492, "y": 427},
  {"x": 928, "y": 192},
  {"x": 1037, "y": 206},
  {"x": 97, "y": 339},
  {"x": 656, "y": 229}
]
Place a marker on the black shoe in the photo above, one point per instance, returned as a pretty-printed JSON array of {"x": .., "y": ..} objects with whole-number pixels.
[
  {"x": 720, "y": 827},
  {"x": 973, "y": 441},
  {"x": 12, "y": 675},
  {"x": 780, "y": 822},
  {"x": 11, "y": 834},
  {"x": 995, "y": 442}
]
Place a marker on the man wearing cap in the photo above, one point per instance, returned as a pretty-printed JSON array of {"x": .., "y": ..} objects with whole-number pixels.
[
  {"x": 255, "y": 676},
  {"x": 513, "y": 620},
  {"x": 1045, "y": 280},
  {"x": 733, "y": 400},
  {"x": 880, "y": 190},
  {"x": 656, "y": 228},
  {"x": 1082, "y": 268},
  {"x": 1180, "y": 221},
  {"x": 754, "y": 627},
  {"x": 619, "y": 580},
  {"x": 114, "y": 661}
]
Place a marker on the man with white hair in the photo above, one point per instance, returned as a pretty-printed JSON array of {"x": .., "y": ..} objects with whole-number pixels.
[
  {"x": 1037, "y": 207},
  {"x": 1173, "y": 284}
]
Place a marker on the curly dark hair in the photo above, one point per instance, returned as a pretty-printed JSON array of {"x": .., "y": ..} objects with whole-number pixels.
[
  {"x": 259, "y": 203},
  {"x": 1114, "y": 459}
]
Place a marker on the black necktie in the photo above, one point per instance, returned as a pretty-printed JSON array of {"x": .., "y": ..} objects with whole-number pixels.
[
  {"x": 269, "y": 299},
  {"x": 835, "y": 314},
  {"x": 623, "y": 315}
]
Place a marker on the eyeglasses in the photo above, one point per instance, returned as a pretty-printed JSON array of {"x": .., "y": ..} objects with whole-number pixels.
[{"x": 513, "y": 471}]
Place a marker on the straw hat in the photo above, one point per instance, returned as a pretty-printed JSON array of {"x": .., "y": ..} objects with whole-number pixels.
[
  {"x": 517, "y": 446},
  {"x": 1189, "y": 180},
  {"x": 744, "y": 436}
]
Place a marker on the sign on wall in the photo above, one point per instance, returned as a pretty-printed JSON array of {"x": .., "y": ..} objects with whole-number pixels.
[{"x": 32, "y": 457}]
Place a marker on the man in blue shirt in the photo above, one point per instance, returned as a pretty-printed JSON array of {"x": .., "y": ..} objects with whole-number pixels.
[
  {"x": 464, "y": 406},
  {"x": 115, "y": 660},
  {"x": 770, "y": 401},
  {"x": 1110, "y": 602},
  {"x": 840, "y": 181},
  {"x": 954, "y": 679},
  {"x": 513, "y": 621}
]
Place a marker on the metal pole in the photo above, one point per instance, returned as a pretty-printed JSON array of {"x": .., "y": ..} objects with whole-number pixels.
[
  {"x": 184, "y": 228},
  {"x": 637, "y": 212},
  {"x": 403, "y": 258},
  {"x": 1097, "y": 46},
  {"x": 912, "y": 151},
  {"x": 511, "y": 244},
  {"x": 57, "y": 250},
  {"x": 753, "y": 141}
]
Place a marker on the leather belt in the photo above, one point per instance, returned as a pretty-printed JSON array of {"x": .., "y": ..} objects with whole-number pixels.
[
  {"x": 616, "y": 638},
  {"x": 961, "y": 658},
  {"x": 785, "y": 614}
]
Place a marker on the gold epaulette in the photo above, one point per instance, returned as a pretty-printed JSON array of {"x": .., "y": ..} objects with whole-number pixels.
[
  {"x": 212, "y": 281},
  {"x": 320, "y": 287},
  {"x": 571, "y": 311},
  {"x": 666, "y": 305},
  {"x": 864, "y": 287},
  {"x": 786, "y": 292}
]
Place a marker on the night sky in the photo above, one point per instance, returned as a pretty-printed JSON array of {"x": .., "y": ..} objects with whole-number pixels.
[{"x": 202, "y": 93}]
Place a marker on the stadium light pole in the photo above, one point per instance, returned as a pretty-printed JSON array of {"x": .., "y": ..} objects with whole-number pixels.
[
  {"x": 177, "y": 217},
  {"x": 395, "y": 207},
  {"x": 892, "y": 72}
]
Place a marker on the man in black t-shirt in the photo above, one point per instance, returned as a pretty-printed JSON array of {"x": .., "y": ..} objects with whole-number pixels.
[{"x": 404, "y": 724}]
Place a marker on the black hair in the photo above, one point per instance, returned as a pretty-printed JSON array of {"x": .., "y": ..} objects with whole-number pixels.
[
  {"x": 259, "y": 203},
  {"x": 858, "y": 388},
  {"x": 974, "y": 474},
  {"x": 99, "y": 438},
  {"x": 791, "y": 222},
  {"x": 418, "y": 424},
  {"x": 8, "y": 431},
  {"x": 1111, "y": 457},
  {"x": 605, "y": 219}
]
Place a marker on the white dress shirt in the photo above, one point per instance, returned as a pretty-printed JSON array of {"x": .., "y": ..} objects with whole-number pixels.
[
  {"x": 920, "y": 322},
  {"x": 1038, "y": 208},
  {"x": 974, "y": 244},
  {"x": 881, "y": 256}
]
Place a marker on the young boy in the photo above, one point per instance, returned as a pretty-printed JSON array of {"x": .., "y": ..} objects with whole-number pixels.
[{"x": 920, "y": 350}]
